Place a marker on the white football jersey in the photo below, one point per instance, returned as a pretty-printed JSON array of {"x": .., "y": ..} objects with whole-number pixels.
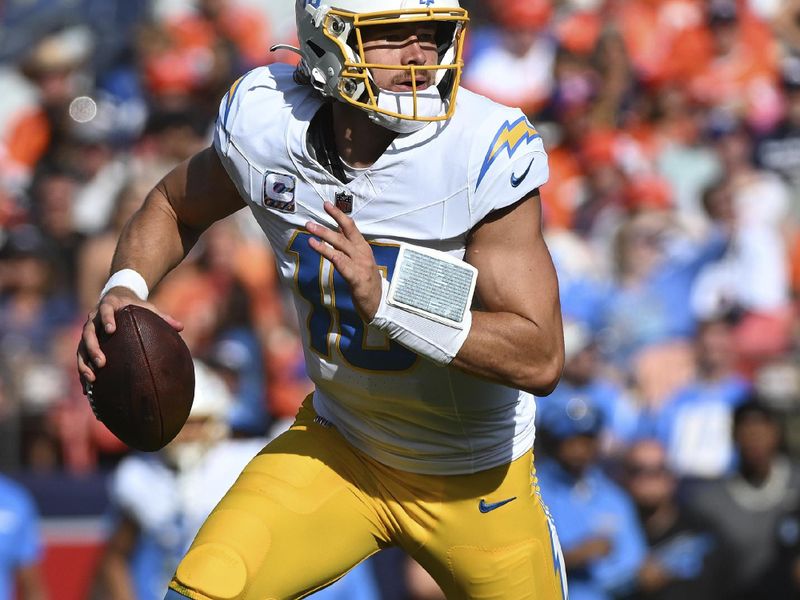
[{"x": 429, "y": 188}]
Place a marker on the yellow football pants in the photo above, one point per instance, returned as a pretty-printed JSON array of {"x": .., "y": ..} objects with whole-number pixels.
[{"x": 310, "y": 506}]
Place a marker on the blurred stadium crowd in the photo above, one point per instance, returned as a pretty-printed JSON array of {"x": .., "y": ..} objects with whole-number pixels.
[{"x": 667, "y": 453}]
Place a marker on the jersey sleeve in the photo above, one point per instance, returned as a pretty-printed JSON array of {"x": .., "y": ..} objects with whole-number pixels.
[
  {"x": 250, "y": 124},
  {"x": 507, "y": 162},
  {"x": 230, "y": 107},
  {"x": 236, "y": 165}
]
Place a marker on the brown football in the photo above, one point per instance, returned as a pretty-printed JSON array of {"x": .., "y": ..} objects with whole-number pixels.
[{"x": 144, "y": 392}]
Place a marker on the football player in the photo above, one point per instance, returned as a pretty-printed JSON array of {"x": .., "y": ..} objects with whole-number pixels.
[{"x": 388, "y": 195}]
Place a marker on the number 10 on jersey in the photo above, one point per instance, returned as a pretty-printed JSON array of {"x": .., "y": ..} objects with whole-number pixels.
[{"x": 332, "y": 305}]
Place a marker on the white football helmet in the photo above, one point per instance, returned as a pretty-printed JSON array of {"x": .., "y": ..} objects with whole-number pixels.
[
  {"x": 330, "y": 34},
  {"x": 207, "y": 425}
]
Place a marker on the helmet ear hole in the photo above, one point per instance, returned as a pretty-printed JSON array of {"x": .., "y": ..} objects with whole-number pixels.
[{"x": 316, "y": 48}]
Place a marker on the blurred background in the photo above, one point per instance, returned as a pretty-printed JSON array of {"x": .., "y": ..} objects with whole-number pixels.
[{"x": 667, "y": 455}]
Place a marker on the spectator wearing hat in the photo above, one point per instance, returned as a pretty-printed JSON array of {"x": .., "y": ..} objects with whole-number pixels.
[
  {"x": 685, "y": 558},
  {"x": 746, "y": 507},
  {"x": 582, "y": 381},
  {"x": 52, "y": 69},
  {"x": 596, "y": 522}
]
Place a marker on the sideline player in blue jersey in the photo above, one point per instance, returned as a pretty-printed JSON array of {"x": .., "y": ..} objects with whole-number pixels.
[{"x": 404, "y": 214}]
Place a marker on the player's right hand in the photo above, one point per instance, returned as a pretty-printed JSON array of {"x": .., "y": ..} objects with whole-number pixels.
[{"x": 90, "y": 357}]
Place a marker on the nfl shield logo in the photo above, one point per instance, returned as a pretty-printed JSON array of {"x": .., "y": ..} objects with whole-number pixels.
[
  {"x": 344, "y": 202},
  {"x": 279, "y": 192}
]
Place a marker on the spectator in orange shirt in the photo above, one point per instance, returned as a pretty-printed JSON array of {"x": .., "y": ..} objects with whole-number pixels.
[
  {"x": 732, "y": 64},
  {"x": 192, "y": 60},
  {"x": 651, "y": 29},
  {"x": 244, "y": 28}
]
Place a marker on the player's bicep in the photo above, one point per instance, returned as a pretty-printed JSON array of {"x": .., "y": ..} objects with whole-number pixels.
[
  {"x": 200, "y": 191},
  {"x": 515, "y": 270}
]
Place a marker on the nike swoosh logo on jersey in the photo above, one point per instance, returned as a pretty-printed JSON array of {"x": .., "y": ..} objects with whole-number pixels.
[
  {"x": 517, "y": 181},
  {"x": 485, "y": 507}
]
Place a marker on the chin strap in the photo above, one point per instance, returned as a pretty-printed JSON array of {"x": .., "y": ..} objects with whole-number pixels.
[{"x": 429, "y": 103}]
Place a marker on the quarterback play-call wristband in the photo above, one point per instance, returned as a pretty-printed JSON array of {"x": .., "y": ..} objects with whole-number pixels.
[
  {"x": 127, "y": 278},
  {"x": 426, "y": 307}
]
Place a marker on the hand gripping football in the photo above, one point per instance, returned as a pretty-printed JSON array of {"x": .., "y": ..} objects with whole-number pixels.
[{"x": 144, "y": 392}]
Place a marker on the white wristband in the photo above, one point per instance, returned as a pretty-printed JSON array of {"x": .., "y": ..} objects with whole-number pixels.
[
  {"x": 127, "y": 278},
  {"x": 426, "y": 308}
]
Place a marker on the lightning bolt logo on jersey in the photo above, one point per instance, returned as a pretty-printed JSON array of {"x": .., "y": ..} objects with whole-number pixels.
[
  {"x": 430, "y": 188},
  {"x": 509, "y": 137}
]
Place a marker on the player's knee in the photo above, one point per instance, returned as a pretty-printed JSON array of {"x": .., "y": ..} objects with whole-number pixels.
[{"x": 213, "y": 571}]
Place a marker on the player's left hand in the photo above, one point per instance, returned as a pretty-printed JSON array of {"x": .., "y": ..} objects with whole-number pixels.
[{"x": 352, "y": 256}]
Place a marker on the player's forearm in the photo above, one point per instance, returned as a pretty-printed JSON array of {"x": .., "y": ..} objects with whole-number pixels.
[
  {"x": 514, "y": 351},
  {"x": 192, "y": 197},
  {"x": 153, "y": 241}
]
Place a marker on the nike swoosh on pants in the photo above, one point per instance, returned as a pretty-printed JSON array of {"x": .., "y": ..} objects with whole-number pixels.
[{"x": 486, "y": 507}]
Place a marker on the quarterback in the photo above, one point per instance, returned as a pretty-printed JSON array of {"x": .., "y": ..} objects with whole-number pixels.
[{"x": 404, "y": 215}]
